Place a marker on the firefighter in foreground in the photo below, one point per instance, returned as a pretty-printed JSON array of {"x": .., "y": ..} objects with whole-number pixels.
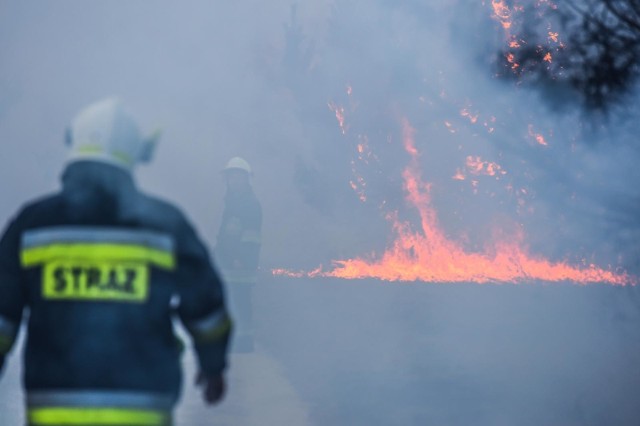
[
  {"x": 237, "y": 249},
  {"x": 101, "y": 269}
]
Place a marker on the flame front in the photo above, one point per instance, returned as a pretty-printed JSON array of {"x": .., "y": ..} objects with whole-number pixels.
[{"x": 429, "y": 255}]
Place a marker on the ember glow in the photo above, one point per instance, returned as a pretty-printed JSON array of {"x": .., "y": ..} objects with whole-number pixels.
[
  {"x": 339, "y": 112},
  {"x": 476, "y": 166},
  {"x": 358, "y": 183},
  {"x": 538, "y": 137},
  {"x": 502, "y": 13},
  {"x": 513, "y": 20},
  {"x": 428, "y": 255},
  {"x": 472, "y": 118}
]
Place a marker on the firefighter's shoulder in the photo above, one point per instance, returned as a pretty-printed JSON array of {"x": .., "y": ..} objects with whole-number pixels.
[
  {"x": 167, "y": 216},
  {"x": 38, "y": 209}
]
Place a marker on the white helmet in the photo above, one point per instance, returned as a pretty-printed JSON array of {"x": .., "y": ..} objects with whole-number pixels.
[
  {"x": 106, "y": 132},
  {"x": 238, "y": 163}
]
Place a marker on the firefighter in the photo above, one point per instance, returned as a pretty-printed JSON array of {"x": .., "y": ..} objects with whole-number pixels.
[
  {"x": 237, "y": 249},
  {"x": 102, "y": 269}
]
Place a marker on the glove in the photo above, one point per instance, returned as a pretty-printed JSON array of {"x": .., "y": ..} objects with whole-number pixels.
[{"x": 213, "y": 387}]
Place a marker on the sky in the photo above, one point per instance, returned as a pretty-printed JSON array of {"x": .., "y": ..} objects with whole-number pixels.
[{"x": 315, "y": 95}]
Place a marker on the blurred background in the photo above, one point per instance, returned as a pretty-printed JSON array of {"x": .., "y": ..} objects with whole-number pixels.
[{"x": 523, "y": 115}]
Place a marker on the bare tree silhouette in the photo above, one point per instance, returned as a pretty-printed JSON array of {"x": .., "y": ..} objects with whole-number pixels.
[{"x": 595, "y": 55}]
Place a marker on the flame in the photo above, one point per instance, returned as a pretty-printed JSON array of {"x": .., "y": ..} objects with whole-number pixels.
[
  {"x": 450, "y": 126},
  {"x": 339, "y": 112},
  {"x": 502, "y": 13},
  {"x": 514, "y": 22},
  {"x": 458, "y": 176},
  {"x": 429, "y": 255},
  {"x": 472, "y": 118},
  {"x": 537, "y": 136},
  {"x": 297, "y": 274},
  {"x": 476, "y": 166},
  {"x": 364, "y": 155}
]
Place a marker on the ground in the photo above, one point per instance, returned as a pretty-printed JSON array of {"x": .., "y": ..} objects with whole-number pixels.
[{"x": 334, "y": 352}]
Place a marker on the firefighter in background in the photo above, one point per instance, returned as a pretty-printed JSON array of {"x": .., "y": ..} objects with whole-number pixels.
[
  {"x": 101, "y": 269},
  {"x": 237, "y": 249}
]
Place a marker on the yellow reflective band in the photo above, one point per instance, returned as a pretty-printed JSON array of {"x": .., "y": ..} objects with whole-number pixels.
[
  {"x": 123, "y": 157},
  {"x": 97, "y": 416},
  {"x": 75, "y": 280},
  {"x": 89, "y": 149},
  {"x": 97, "y": 252},
  {"x": 215, "y": 333}
]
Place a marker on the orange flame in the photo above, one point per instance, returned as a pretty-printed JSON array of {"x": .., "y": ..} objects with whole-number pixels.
[
  {"x": 364, "y": 154},
  {"x": 458, "y": 176},
  {"x": 476, "y": 166},
  {"x": 502, "y": 13},
  {"x": 537, "y": 136},
  {"x": 339, "y": 112},
  {"x": 450, "y": 126},
  {"x": 511, "y": 17},
  {"x": 472, "y": 118},
  {"x": 430, "y": 256},
  {"x": 511, "y": 58}
]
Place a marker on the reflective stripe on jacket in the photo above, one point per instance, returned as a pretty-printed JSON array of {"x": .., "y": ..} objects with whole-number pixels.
[
  {"x": 98, "y": 408},
  {"x": 99, "y": 266}
]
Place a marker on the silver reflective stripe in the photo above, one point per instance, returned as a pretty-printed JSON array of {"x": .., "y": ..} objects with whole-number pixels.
[
  {"x": 76, "y": 234},
  {"x": 209, "y": 323},
  {"x": 8, "y": 328},
  {"x": 96, "y": 399}
]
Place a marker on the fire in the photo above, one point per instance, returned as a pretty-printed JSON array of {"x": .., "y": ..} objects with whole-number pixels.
[
  {"x": 458, "y": 176},
  {"x": 364, "y": 155},
  {"x": 340, "y": 116},
  {"x": 450, "y": 126},
  {"x": 502, "y": 13},
  {"x": 472, "y": 118},
  {"x": 537, "y": 136},
  {"x": 428, "y": 255},
  {"x": 476, "y": 166},
  {"x": 513, "y": 17},
  {"x": 511, "y": 58}
]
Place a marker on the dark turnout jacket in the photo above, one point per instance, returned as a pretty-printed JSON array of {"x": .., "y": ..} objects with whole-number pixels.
[
  {"x": 98, "y": 271},
  {"x": 239, "y": 238}
]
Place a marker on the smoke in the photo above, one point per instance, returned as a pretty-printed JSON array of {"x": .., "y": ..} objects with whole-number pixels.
[{"x": 269, "y": 81}]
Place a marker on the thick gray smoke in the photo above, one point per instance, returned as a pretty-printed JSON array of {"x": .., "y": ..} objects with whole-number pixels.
[{"x": 263, "y": 80}]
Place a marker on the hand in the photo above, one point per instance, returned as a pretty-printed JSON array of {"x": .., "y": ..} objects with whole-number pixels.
[{"x": 214, "y": 387}]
